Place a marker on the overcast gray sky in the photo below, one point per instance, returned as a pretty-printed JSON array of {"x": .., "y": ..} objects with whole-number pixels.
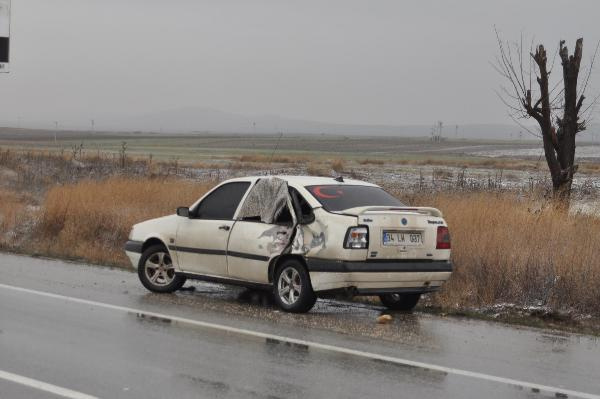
[{"x": 375, "y": 62}]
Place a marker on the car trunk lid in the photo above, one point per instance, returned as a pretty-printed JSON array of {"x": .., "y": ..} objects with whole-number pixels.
[{"x": 400, "y": 232}]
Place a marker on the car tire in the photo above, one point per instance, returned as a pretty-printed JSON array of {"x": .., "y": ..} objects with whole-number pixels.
[
  {"x": 405, "y": 302},
  {"x": 292, "y": 289},
  {"x": 157, "y": 272}
]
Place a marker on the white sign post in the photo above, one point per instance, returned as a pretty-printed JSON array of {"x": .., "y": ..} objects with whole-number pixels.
[{"x": 4, "y": 34}]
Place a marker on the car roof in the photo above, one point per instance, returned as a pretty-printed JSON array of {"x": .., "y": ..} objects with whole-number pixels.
[{"x": 303, "y": 181}]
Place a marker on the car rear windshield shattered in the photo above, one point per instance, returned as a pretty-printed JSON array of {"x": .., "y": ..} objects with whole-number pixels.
[{"x": 340, "y": 197}]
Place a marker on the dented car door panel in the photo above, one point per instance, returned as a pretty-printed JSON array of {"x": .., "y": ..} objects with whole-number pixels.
[
  {"x": 324, "y": 237},
  {"x": 251, "y": 247},
  {"x": 263, "y": 230}
]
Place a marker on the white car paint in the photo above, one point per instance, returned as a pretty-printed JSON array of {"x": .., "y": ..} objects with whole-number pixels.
[{"x": 243, "y": 252}]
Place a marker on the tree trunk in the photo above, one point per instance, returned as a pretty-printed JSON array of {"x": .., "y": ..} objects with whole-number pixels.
[{"x": 559, "y": 143}]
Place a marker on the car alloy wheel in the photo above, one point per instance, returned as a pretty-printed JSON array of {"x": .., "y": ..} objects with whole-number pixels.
[
  {"x": 159, "y": 269},
  {"x": 289, "y": 286}
]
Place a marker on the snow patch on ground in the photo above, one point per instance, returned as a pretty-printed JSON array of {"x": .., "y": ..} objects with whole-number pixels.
[{"x": 586, "y": 151}]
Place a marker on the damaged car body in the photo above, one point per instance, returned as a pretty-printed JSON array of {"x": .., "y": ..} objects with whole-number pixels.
[{"x": 300, "y": 237}]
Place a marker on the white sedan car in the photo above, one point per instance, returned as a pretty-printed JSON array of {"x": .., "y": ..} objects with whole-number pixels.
[{"x": 300, "y": 237}]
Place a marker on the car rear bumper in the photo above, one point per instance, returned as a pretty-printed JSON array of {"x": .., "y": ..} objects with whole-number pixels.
[
  {"x": 373, "y": 278},
  {"x": 369, "y": 266}
]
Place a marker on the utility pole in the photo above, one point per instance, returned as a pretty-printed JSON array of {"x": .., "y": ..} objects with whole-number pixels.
[
  {"x": 55, "y": 130},
  {"x": 92, "y": 124}
]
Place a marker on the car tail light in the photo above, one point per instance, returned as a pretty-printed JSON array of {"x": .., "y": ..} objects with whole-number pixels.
[
  {"x": 357, "y": 238},
  {"x": 443, "y": 238}
]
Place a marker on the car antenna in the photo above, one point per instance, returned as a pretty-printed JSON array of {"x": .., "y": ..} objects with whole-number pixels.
[{"x": 339, "y": 178}]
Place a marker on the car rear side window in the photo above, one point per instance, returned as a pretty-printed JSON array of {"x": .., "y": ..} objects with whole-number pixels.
[
  {"x": 337, "y": 197},
  {"x": 222, "y": 203},
  {"x": 304, "y": 211}
]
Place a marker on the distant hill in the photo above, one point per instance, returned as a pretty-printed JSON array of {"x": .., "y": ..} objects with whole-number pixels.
[
  {"x": 214, "y": 121},
  {"x": 206, "y": 120}
]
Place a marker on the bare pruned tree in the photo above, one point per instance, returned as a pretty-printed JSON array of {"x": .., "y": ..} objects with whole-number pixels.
[{"x": 557, "y": 108}]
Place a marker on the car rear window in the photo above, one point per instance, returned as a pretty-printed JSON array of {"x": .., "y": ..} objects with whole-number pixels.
[{"x": 337, "y": 197}]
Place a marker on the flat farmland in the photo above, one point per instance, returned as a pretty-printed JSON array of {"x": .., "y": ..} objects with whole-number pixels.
[{"x": 205, "y": 145}]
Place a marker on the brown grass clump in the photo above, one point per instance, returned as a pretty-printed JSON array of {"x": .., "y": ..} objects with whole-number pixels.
[
  {"x": 371, "y": 162},
  {"x": 203, "y": 165},
  {"x": 589, "y": 167},
  {"x": 92, "y": 219},
  {"x": 315, "y": 169},
  {"x": 338, "y": 165},
  {"x": 269, "y": 158},
  {"x": 504, "y": 251},
  {"x": 12, "y": 206}
]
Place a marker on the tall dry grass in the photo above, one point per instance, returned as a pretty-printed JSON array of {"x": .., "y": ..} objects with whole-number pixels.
[
  {"x": 507, "y": 249},
  {"x": 92, "y": 219},
  {"x": 338, "y": 165},
  {"x": 12, "y": 207},
  {"x": 370, "y": 161}
]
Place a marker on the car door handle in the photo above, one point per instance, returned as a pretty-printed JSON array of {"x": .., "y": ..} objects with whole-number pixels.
[{"x": 224, "y": 227}]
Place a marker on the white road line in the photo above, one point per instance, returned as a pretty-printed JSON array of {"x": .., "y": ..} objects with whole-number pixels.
[
  {"x": 331, "y": 348},
  {"x": 43, "y": 386}
]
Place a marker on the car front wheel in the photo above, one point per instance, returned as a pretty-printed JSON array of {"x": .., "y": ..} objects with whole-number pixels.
[
  {"x": 406, "y": 302},
  {"x": 292, "y": 289},
  {"x": 157, "y": 272}
]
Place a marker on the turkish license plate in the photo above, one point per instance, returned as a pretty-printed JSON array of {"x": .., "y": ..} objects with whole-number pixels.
[{"x": 403, "y": 238}]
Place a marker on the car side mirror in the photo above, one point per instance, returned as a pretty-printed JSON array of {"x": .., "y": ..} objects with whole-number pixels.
[{"x": 183, "y": 211}]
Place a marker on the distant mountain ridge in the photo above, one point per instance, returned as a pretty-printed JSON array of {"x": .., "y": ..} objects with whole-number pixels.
[
  {"x": 191, "y": 119},
  {"x": 207, "y": 120}
]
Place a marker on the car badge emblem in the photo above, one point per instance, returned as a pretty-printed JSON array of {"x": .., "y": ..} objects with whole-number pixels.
[{"x": 404, "y": 221}]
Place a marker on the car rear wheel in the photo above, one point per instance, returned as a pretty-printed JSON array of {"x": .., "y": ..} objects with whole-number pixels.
[
  {"x": 157, "y": 272},
  {"x": 406, "y": 302},
  {"x": 292, "y": 289}
]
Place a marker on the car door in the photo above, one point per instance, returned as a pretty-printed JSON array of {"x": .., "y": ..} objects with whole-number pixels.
[
  {"x": 253, "y": 243},
  {"x": 201, "y": 240}
]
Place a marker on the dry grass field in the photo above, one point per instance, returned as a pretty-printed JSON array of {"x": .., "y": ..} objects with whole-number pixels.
[
  {"x": 91, "y": 219},
  {"x": 508, "y": 247}
]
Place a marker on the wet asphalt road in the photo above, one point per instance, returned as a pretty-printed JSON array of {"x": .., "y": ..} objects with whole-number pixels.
[{"x": 114, "y": 353}]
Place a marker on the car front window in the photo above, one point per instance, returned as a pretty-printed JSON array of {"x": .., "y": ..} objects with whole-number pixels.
[{"x": 222, "y": 203}]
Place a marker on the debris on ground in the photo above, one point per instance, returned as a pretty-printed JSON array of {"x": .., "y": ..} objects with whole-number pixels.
[{"x": 384, "y": 319}]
